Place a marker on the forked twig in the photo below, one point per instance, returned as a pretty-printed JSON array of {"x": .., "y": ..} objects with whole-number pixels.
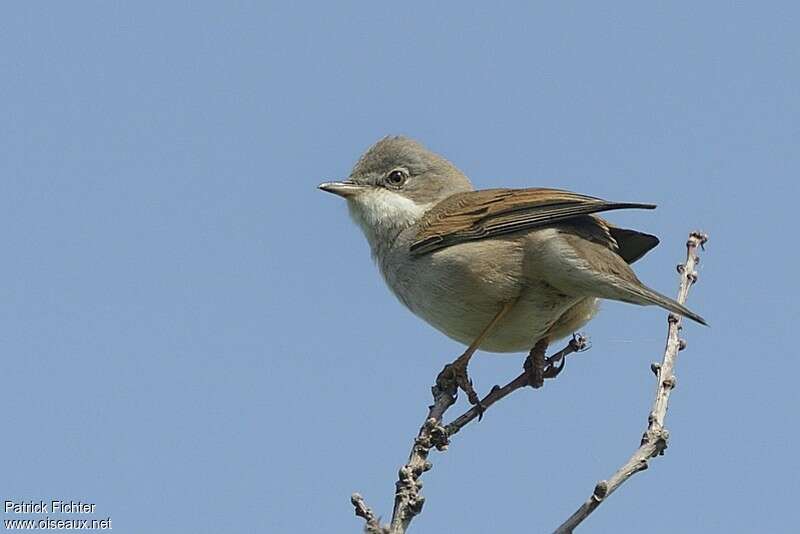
[{"x": 408, "y": 499}]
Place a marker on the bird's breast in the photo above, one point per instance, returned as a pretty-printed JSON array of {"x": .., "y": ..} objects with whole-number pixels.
[{"x": 460, "y": 289}]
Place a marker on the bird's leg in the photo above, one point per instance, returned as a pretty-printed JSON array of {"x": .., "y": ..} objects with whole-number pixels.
[
  {"x": 454, "y": 375},
  {"x": 535, "y": 364}
]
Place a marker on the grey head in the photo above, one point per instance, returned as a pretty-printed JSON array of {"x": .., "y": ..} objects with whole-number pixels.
[{"x": 393, "y": 184}]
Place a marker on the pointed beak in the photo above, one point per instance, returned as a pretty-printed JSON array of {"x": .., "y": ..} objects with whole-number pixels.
[{"x": 346, "y": 188}]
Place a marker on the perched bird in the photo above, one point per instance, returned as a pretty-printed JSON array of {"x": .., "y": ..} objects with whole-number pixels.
[{"x": 502, "y": 270}]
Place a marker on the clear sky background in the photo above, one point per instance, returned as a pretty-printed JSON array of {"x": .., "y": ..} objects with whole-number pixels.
[{"x": 195, "y": 339}]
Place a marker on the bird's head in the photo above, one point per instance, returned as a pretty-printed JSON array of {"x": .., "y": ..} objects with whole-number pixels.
[{"x": 393, "y": 184}]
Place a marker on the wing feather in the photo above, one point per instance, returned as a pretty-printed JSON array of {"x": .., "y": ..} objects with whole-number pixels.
[{"x": 493, "y": 212}]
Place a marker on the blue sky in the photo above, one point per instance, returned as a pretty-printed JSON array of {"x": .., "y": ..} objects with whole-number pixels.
[{"x": 195, "y": 339}]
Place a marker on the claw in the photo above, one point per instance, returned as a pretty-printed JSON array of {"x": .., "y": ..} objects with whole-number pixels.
[
  {"x": 454, "y": 377},
  {"x": 552, "y": 370},
  {"x": 480, "y": 409},
  {"x": 465, "y": 384}
]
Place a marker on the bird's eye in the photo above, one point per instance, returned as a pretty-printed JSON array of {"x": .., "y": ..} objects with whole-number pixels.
[{"x": 396, "y": 178}]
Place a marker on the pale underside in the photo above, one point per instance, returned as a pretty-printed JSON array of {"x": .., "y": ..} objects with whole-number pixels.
[
  {"x": 456, "y": 265},
  {"x": 466, "y": 284}
]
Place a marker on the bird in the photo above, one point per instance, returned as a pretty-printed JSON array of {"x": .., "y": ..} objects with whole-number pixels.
[{"x": 498, "y": 270}]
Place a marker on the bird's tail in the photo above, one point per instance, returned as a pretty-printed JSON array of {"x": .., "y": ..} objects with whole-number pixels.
[{"x": 643, "y": 295}]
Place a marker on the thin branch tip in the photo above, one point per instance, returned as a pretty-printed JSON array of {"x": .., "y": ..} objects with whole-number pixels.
[{"x": 372, "y": 524}]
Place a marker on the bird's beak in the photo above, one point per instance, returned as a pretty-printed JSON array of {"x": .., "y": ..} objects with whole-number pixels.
[{"x": 345, "y": 188}]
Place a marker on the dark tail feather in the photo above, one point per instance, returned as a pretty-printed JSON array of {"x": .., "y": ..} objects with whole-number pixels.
[{"x": 632, "y": 244}]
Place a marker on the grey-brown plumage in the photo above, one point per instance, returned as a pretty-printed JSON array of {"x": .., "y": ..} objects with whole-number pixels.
[
  {"x": 457, "y": 257},
  {"x": 494, "y": 212}
]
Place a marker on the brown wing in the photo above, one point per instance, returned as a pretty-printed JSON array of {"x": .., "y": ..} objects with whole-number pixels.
[{"x": 493, "y": 212}]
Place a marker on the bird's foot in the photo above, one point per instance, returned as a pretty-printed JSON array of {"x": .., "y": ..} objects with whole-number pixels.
[
  {"x": 454, "y": 377},
  {"x": 540, "y": 368},
  {"x": 536, "y": 364}
]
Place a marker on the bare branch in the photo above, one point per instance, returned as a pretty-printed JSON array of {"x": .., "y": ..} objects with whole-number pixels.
[
  {"x": 408, "y": 499},
  {"x": 372, "y": 524},
  {"x": 578, "y": 343},
  {"x": 655, "y": 438}
]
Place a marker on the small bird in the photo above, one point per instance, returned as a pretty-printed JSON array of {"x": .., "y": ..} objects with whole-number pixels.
[{"x": 501, "y": 270}]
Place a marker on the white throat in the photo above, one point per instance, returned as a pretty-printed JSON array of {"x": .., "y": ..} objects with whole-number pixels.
[{"x": 382, "y": 215}]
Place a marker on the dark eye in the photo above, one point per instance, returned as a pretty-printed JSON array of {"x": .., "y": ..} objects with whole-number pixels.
[{"x": 396, "y": 178}]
